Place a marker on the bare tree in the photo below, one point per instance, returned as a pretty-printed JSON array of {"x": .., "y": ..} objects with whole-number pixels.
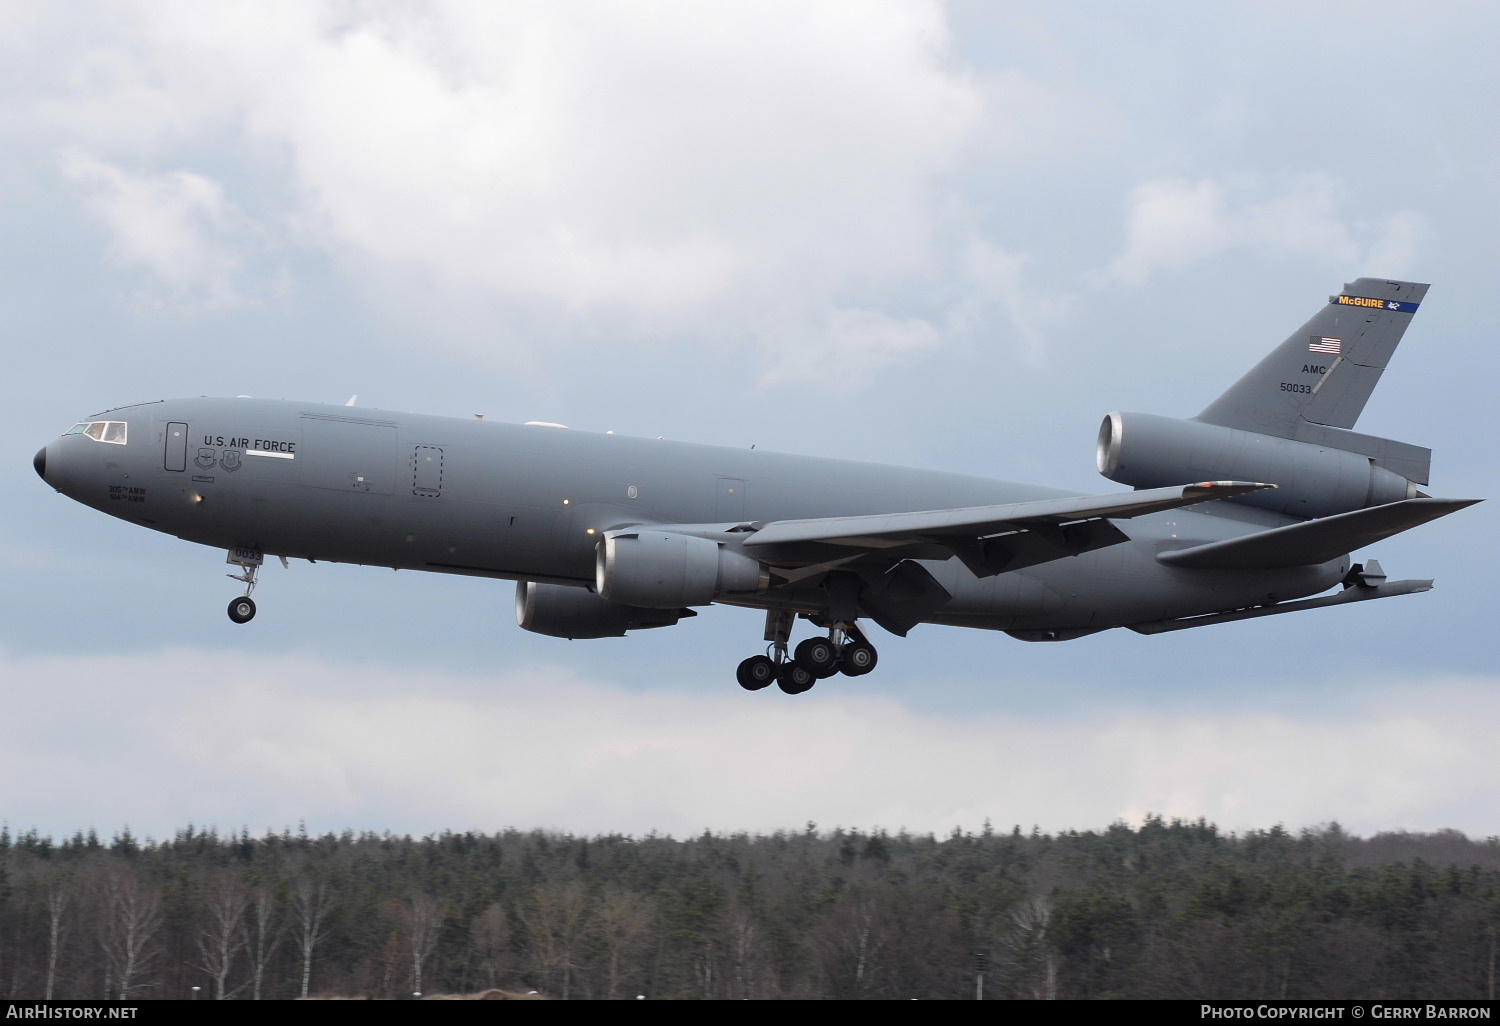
[
  {"x": 57, "y": 907},
  {"x": 706, "y": 968},
  {"x": 132, "y": 916},
  {"x": 746, "y": 961},
  {"x": 1494, "y": 943},
  {"x": 1029, "y": 945},
  {"x": 489, "y": 939},
  {"x": 555, "y": 919},
  {"x": 1490, "y": 917},
  {"x": 310, "y": 908},
  {"x": 423, "y": 921},
  {"x": 850, "y": 943},
  {"x": 265, "y": 937},
  {"x": 621, "y": 925},
  {"x": 223, "y": 935}
]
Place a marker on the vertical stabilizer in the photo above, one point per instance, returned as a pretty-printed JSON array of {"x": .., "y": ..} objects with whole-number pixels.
[{"x": 1323, "y": 375}]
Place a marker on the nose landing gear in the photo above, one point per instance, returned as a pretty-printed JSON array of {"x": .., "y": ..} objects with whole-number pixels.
[
  {"x": 845, "y": 650},
  {"x": 242, "y": 609}
]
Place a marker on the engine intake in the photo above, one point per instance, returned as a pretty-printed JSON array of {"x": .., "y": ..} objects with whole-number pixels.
[
  {"x": 665, "y": 570},
  {"x": 563, "y": 612},
  {"x": 1147, "y": 451}
]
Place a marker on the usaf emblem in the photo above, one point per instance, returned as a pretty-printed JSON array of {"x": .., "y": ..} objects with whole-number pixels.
[
  {"x": 230, "y": 461},
  {"x": 205, "y": 458}
]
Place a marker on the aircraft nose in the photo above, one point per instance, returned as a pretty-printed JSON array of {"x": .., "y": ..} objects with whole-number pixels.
[{"x": 39, "y": 461}]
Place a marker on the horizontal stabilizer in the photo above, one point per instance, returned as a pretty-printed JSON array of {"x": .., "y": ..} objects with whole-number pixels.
[{"x": 1316, "y": 541}]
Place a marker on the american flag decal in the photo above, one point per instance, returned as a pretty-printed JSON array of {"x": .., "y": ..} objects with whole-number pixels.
[{"x": 1331, "y": 346}]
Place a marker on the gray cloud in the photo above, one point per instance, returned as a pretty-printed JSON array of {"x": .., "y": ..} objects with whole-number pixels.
[
  {"x": 651, "y": 166},
  {"x": 1174, "y": 224},
  {"x": 177, "y": 228}
]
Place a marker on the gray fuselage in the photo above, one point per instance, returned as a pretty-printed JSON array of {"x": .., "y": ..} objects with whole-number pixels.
[{"x": 497, "y": 500}]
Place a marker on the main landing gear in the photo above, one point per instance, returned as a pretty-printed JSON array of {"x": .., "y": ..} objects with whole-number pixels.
[{"x": 845, "y": 650}]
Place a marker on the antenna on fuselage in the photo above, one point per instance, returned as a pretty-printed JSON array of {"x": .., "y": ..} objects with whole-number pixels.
[{"x": 351, "y": 400}]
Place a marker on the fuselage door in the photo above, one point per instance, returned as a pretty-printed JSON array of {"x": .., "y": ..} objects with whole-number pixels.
[
  {"x": 730, "y": 503},
  {"x": 348, "y": 454},
  {"x": 176, "y": 456},
  {"x": 427, "y": 471}
]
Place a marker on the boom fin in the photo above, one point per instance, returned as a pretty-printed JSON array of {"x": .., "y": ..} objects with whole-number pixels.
[{"x": 1354, "y": 593}]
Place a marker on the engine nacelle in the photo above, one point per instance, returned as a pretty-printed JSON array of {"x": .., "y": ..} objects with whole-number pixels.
[
  {"x": 563, "y": 612},
  {"x": 1148, "y": 451},
  {"x": 664, "y": 570}
]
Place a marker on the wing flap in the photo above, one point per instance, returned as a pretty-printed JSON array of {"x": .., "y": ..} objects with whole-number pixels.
[{"x": 1315, "y": 541}]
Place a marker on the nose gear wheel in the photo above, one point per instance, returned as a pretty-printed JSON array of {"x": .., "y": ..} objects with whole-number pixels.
[{"x": 242, "y": 609}]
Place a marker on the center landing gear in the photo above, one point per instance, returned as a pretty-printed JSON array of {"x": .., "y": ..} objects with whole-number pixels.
[{"x": 845, "y": 650}]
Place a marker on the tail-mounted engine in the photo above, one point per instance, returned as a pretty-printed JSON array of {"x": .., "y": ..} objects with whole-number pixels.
[{"x": 1148, "y": 451}]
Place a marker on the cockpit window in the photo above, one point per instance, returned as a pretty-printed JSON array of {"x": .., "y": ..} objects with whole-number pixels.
[{"x": 111, "y": 431}]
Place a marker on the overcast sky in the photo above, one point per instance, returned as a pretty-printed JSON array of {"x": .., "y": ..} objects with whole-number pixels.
[{"x": 944, "y": 235}]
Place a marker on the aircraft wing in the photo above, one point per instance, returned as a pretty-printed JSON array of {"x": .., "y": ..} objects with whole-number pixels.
[{"x": 989, "y": 539}]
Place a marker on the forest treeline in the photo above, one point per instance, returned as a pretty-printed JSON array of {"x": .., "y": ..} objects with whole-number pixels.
[{"x": 1169, "y": 909}]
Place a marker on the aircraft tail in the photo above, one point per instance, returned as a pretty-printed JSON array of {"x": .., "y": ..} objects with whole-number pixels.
[
  {"x": 1287, "y": 421},
  {"x": 1313, "y": 387}
]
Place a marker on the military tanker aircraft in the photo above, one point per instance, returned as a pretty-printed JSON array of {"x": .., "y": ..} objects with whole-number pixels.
[{"x": 1249, "y": 509}]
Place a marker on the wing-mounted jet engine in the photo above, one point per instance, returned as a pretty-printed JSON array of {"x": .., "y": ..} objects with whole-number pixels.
[
  {"x": 1251, "y": 508},
  {"x": 576, "y": 613},
  {"x": 662, "y": 569}
]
